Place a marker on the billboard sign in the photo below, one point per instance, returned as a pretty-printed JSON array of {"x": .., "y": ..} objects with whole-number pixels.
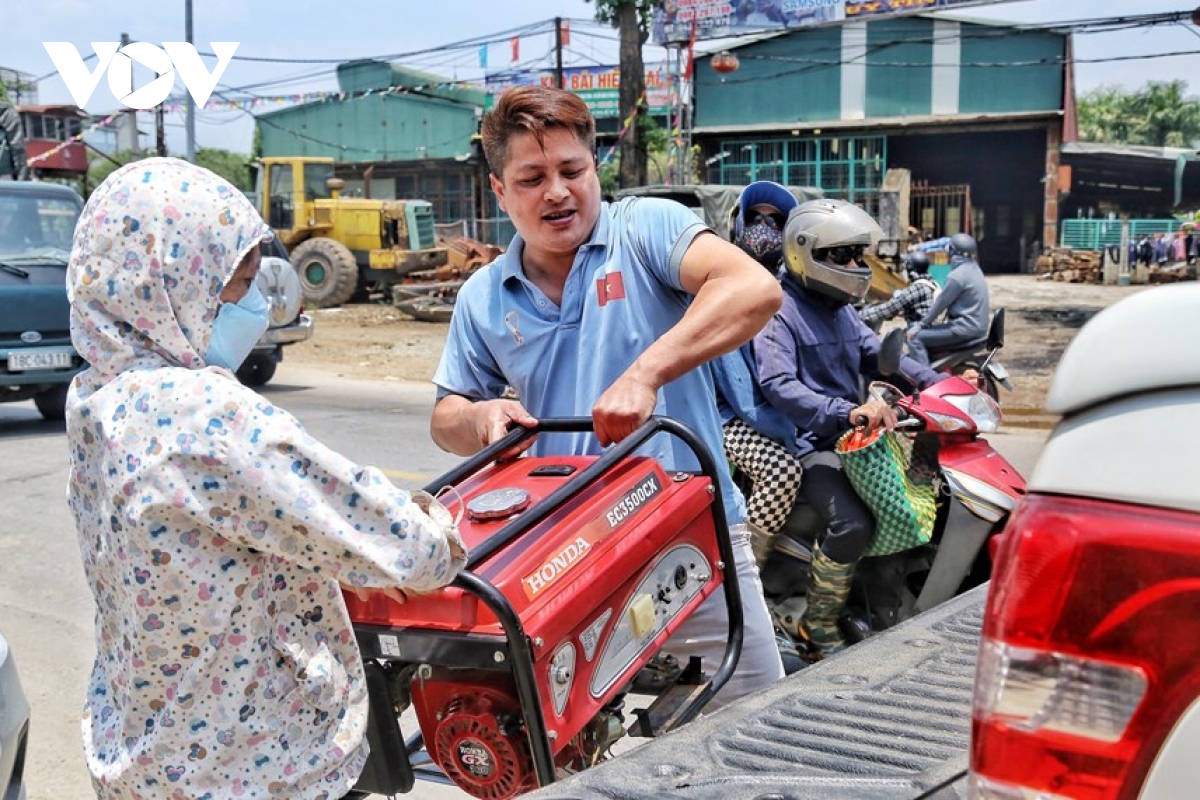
[
  {"x": 598, "y": 86},
  {"x": 714, "y": 19}
]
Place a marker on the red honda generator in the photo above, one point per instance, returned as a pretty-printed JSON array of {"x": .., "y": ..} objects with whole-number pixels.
[{"x": 579, "y": 569}]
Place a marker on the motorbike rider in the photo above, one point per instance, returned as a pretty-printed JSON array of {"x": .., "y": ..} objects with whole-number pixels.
[
  {"x": 964, "y": 300},
  {"x": 810, "y": 358},
  {"x": 913, "y": 301},
  {"x": 759, "y": 439}
]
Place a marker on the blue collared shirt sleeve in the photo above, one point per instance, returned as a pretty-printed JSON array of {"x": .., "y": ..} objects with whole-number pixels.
[
  {"x": 660, "y": 232},
  {"x": 468, "y": 367}
]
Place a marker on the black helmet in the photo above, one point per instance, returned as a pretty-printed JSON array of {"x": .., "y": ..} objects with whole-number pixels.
[
  {"x": 962, "y": 245},
  {"x": 918, "y": 263}
]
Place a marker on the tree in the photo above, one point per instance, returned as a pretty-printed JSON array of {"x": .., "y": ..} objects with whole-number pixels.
[
  {"x": 1159, "y": 114},
  {"x": 657, "y": 160},
  {"x": 101, "y": 168},
  {"x": 233, "y": 167},
  {"x": 632, "y": 19}
]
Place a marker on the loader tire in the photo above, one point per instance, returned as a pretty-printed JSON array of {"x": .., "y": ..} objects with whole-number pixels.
[{"x": 327, "y": 270}]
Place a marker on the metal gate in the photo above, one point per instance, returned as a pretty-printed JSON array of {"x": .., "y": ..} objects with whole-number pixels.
[
  {"x": 1095, "y": 234},
  {"x": 939, "y": 210}
]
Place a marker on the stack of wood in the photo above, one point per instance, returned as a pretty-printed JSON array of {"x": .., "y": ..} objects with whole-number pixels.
[
  {"x": 1171, "y": 273},
  {"x": 1067, "y": 265}
]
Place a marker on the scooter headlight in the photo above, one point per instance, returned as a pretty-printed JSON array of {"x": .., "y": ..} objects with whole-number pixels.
[{"x": 981, "y": 408}]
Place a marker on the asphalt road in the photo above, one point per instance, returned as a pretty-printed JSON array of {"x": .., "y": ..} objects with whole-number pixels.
[{"x": 45, "y": 605}]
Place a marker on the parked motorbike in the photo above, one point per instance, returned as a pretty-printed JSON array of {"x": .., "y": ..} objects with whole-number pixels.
[
  {"x": 977, "y": 490},
  {"x": 975, "y": 359}
]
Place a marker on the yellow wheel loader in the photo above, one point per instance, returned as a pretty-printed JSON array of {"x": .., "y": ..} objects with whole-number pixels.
[{"x": 342, "y": 245}]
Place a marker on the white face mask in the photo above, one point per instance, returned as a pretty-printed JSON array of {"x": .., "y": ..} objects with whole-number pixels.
[{"x": 237, "y": 329}]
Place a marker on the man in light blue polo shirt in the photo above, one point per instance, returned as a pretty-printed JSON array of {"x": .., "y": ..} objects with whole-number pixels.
[{"x": 608, "y": 311}]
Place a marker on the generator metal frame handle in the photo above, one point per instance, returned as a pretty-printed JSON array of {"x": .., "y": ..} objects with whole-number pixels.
[{"x": 520, "y": 649}]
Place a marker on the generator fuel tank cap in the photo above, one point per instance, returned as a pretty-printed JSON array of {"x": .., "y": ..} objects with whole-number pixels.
[{"x": 497, "y": 504}]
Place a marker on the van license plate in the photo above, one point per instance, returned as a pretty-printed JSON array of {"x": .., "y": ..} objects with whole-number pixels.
[{"x": 22, "y": 361}]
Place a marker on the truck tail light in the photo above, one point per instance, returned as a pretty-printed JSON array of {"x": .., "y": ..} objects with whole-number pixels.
[{"x": 1087, "y": 659}]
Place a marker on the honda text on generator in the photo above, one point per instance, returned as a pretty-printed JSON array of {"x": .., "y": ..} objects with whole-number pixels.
[{"x": 579, "y": 569}]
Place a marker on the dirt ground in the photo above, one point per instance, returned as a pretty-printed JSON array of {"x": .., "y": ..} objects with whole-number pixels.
[{"x": 378, "y": 342}]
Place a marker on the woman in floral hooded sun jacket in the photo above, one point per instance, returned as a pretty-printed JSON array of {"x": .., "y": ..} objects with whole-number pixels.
[{"x": 214, "y": 531}]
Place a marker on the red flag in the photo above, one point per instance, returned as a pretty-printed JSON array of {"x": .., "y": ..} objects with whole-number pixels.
[
  {"x": 565, "y": 32},
  {"x": 691, "y": 62},
  {"x": 610, "y": 287},
  {"x": 516, "y": 47}
]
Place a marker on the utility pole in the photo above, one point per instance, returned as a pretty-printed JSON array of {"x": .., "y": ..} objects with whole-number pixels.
[
  {"x": 191, "y": 103},
  {"x": 558, "y": 48},
  {"x": 160, "y": 132},
  {"x": 633, "y": 86},
  {"x": 675, "y": 170},
  {"x": 131, "y": 124}
]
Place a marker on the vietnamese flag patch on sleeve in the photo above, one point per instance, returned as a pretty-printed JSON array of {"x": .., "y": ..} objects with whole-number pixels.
[{"x": 610, "y": 287}]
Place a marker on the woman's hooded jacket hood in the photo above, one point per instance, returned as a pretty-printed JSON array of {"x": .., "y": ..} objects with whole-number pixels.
[{"x": 156, "y": 243}]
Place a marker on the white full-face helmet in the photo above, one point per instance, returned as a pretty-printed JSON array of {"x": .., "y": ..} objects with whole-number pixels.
[{"x": 823, "y": 246}]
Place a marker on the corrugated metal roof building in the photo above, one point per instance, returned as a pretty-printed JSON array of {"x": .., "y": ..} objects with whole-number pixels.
[{"x": 412, "y": 130}]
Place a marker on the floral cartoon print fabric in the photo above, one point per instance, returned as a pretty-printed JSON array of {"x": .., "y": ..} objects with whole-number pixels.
[{"x": 214, "y": 531}]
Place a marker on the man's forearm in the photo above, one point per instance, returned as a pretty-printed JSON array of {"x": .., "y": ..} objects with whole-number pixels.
[
  {"x": 720, "y": 319},
  {"x": 888, "y": 309},
  {"x": 452, "y": 426}
]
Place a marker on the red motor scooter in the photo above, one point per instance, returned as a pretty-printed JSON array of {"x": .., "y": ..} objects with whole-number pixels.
[{"x": 977, "y": 490}]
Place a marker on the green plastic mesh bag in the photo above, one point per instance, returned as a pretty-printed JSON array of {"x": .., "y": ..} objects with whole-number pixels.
[{"x": 899, "y": 493}]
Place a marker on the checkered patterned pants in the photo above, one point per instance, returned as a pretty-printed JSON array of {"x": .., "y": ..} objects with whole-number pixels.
[{"x": 775, "y": 472}]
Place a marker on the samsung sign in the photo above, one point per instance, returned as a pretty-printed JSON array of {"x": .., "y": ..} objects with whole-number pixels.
[{"x": 172, "y": 57}]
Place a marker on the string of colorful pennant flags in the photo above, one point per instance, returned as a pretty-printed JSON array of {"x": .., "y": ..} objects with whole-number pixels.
[
  {"x": 260, "y": 102},
  {"x": 625, "y": 126},
  {"x": 109, "y": 120}
]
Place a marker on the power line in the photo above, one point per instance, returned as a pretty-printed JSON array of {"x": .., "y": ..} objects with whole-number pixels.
[
  {"x": 346, "y": 148},
  {"x": 812, "y": 65},
  {"x": 973, "y": 33},
  {"x": 450, "y": 49},
  {"x": 492, "y": 38},
  {"x": 450, "y": 52},
  {"x": 341, "y": 147}
]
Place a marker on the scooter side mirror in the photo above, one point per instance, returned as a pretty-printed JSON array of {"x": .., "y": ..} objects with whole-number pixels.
[
  {"x": 890, "y": 352},
  {"x": 995, "y": 338}
]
